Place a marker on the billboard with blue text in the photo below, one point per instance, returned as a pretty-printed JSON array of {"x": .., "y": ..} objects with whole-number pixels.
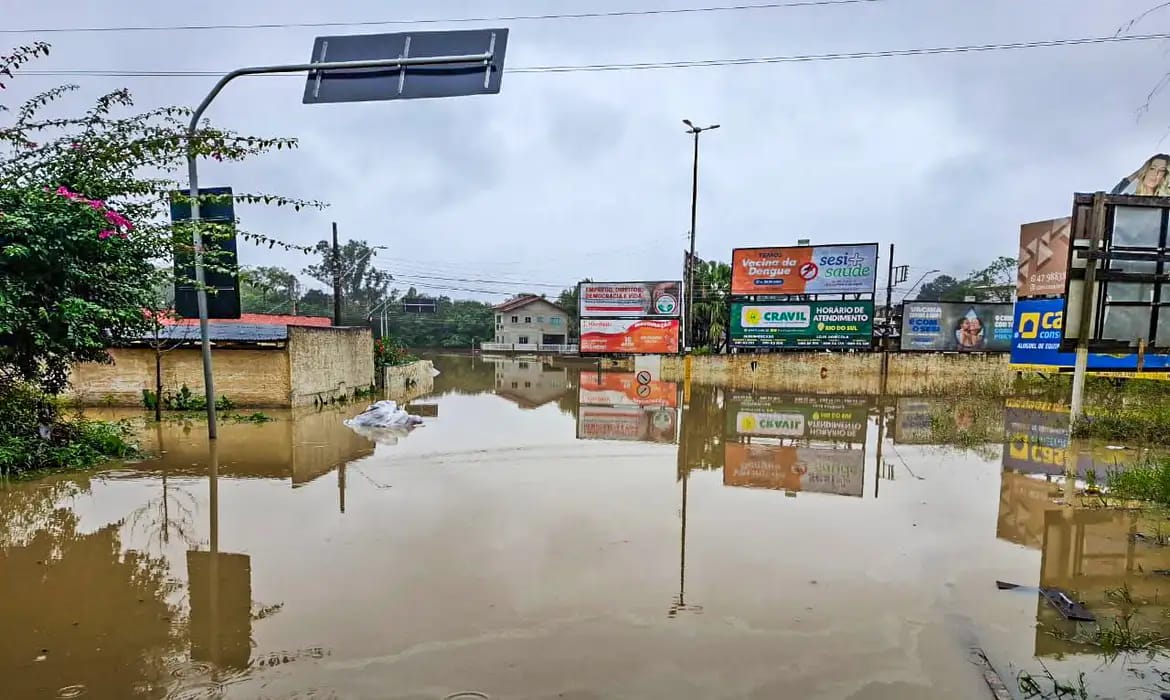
[{"x": 1036, "y": 343}]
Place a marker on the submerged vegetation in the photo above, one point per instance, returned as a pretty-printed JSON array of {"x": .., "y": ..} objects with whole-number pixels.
[{"x": 1146, "y": 480}]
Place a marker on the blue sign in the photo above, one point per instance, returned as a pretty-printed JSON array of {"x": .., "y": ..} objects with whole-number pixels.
[{"x": 1036, "y": 341}]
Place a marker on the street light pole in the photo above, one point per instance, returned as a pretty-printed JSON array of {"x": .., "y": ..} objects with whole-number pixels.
[
  {"x": 193, "y": 174},
  {"x": 689, "y": 272}
]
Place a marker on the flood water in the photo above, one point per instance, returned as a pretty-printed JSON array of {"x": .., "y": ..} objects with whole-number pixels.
[{"x": 558, "y": 533}]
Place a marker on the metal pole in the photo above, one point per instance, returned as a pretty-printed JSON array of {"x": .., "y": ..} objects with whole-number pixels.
[
  {"x": 336, "y": 278},
  {"x": 1088, "y": 305},
  {"x": 193, "y": 174},
  {"x": 688, "y": 330}
]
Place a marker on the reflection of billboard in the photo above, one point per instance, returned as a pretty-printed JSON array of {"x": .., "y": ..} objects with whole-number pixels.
[
  {"x": 640, "y": 299},
  {"x": 826, "y": 269},
  {"x": 1036, "y": 343},
  {"x": 821, "y": 418},
  {"x": 809, "y": 324},
  {"x": 622, "y": 388},
  {"x": 632, "y": 423},
  {"x": 912, "y": 420},
  {"x": 221, "y": 635},
  {"x": 945, "y": 326},
  {"x": 1043, "y": 261},
  {"x": 1036, "y": 437},
  {"x": 820, "y": 470},
  {"x": 629, "y": 336}
]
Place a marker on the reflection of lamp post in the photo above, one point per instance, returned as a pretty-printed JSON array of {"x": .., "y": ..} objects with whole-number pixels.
[
  {"x": 680, "y": 604},
  {"x": 920, "y": 279}
]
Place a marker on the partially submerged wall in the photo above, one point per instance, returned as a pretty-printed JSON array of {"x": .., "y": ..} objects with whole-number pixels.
[
  {"x": 405, "y": 382},
  {"x": 910, "y": 374},
  {"x": 250, "y": 378},
  {"x": 329, "y": 363}
]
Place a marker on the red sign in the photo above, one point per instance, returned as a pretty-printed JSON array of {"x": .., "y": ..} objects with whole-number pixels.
[
  {"x": 616, "y": 388},
  {"x": 629, "y": 336}
]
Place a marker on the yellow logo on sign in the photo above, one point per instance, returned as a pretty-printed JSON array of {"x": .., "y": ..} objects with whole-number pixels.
[
  {"x": 753, "y": 317},
  {"x": 747, "y": 424},
  {"x": 1032, "y": 323}
]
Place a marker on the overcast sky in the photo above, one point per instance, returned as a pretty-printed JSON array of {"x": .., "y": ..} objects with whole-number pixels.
[{"x": 570, "y": 175}]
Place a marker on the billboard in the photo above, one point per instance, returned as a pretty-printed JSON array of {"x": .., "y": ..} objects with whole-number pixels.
[
  {"x": 629, "y": 423},
  {"x": 823, "y": 269},
  {"x": 914, "y": 419},
  {"x": 1036, "y": 436},
  {"x": 629, "y": 336},
  {"x": 809, "y": 324},
  {"x": 826, "y": 418},
  {"x": 221, "y": 260},
  {"x": 1043, "y": 260},
  {"x": 630, "y": 299},
  {"x": 819, "y": 470},
  {"x": 1036, "y": 343},
  {"x": 945, "y": 326},
  {"x": 623, "y": 388}
]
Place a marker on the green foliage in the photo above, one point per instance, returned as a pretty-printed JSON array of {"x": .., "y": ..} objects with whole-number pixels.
[
  {"x": 712, "y": 297},
  {"x": 388, "y": 352},
  {"x": 362, "y": 284},
  {"x": 36, "y": 437},
  {"x": 84, "y": 210},
  {"x": 185, "y": 400},
  {"x": 996, "y": 282},
  {"x": 570, "y": 301},
  {"x": 268, "y": 290},
  {"x": 1147, "y": 480},
  {"x": 455, "y": 324}
]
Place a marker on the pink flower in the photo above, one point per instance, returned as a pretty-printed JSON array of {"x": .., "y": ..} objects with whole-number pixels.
[
  {"x": 118, "y": 220},
  {"x": 96, "y": 204},
  {"x": 64, "y": 191},
  {"x": 105, "y": 234}
]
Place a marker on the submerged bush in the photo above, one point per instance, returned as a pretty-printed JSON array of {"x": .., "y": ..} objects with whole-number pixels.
[
  {"x": 1147, "y": 480},
  {"x": 36, "y": 436}
]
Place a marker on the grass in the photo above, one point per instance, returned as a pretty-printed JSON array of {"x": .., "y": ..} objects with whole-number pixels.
[
  {"x": 1146, "y": 480},
  {"x": 1047, "y": 686},
  {"x": 74, "y": 445}
]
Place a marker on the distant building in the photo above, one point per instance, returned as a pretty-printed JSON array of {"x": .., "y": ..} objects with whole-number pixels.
[
  {"x": 529, "y": 322},
  {"x": 529, "y": 383}
]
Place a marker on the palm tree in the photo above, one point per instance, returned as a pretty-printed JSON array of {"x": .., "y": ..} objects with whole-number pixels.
[{"x": 712, "y": 291}]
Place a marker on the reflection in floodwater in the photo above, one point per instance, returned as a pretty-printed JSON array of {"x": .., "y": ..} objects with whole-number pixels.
[{"x": 525, "y": 544}]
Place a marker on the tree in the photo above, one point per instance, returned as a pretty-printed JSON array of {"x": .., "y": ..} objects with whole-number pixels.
[
  {"x": 85, "y": 204},
  {"x": 362, "y": 284},
  {"x": 709, "y": 316},
  {"x": 943, "y": 288},
  {"x": 997, "y": 281},
  {"x": 268, "y": 290},
  {"x": 569, "y": 300}
]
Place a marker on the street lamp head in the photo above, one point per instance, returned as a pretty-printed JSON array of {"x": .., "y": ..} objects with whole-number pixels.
[
  {"x": 713, "y": 126},
  {"x": 688, "y": 123}
]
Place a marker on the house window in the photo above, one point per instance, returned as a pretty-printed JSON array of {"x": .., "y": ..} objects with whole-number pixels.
[
  {"x": 555, "y": 320},
  {"x": 523, "y": 340},
  {"x": 515, "y": 319},
  {"x": 540, "y": 319},
  {"x": 499, "y": 318},
  {"x": 522, "y": 365},
  {"x": 515, "y": 385},
  {"x": 528, "y": 319},
  {"x": 527, "y": 385}
]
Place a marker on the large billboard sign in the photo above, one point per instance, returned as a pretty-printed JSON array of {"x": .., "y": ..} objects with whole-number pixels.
[
  {"x": 809, "y": 324},
  {"x": 824, "y": 418},
  {"x": 1036, "y": 344},
  {"x": 1036, "y": 437},
  {"x": 819, "y": 470},
  {"x": 630, "y": 299},
  {"x": 647, "y": 337},
  {"x": 628, "y": 423},
  {"x": 944, "y": 326},
  {"x": 826, "y": 269},
  {"x": 1043, "y": 260}
]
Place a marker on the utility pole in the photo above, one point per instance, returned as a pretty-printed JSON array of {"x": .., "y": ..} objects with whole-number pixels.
[
  {"x": 1097, "y": 224},
  {"x": 336, "y": 278},
  {"x": 689, "y": 272}
]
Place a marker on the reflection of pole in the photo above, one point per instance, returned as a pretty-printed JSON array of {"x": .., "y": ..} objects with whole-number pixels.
[
  {"x": 213, "y": 565},
  {"x": 341, "y": 487},
  {"x": 682, "y": 554},
  {"x": 881, "y": 437},
  {"x": 1088, "y": 299},
  {"x": 889, "y": 329}
]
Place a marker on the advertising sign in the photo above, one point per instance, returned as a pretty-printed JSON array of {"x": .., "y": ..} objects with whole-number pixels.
[
  {"x": 1036, "y": 344},
  {"x": 824, "y": 418},
  {"x": 913, "y": 420},
  {"x": 819, "y": 470},
  {"x": 630, "y": 299},
  {"x": 623, "y": 388},
  {"x": 824, "y": 269},
  {"x": 945, "y": 326},
  {"x": 809, "y": 324},
  {"x": 629, "y": 423},
  {"x": 1043, "y": 261},
  {"x": 629, "y": 336}
]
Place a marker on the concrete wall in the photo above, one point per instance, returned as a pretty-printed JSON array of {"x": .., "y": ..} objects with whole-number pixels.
[
  {"x": 405, "y": 382},
  {"x": 253, "y": 378},
  {"x": 328, "y": 363},
  {"x": 910, "y": 374}
]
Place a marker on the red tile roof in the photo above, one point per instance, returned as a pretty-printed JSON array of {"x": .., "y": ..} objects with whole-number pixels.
[{"x": 260, "y": 320}]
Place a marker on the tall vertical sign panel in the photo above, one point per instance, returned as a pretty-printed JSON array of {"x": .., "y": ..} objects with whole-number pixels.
[
  {"x": 1043, "y": 258},
  {"x": 826, "y": 269},
  {"x": 221, "y": 260}
]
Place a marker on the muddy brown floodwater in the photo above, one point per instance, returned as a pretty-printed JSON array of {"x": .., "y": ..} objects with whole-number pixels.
[{"x": 552, "y": 533}]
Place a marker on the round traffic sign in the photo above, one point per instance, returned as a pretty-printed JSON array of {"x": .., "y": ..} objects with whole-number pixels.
[
  {"x": 808, "y": 271},
  {"x": 643, "y": 391},
  {"x": 644, "y": 377}
]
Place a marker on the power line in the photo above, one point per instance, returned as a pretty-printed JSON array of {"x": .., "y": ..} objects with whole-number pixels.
[
  {"x": 662, "y": 65},
  {"x": 449, "y": 20}
]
